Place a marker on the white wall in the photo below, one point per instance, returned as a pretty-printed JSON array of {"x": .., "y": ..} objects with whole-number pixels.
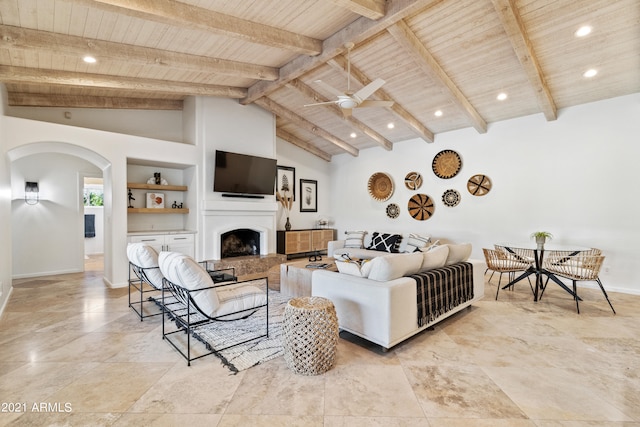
[
  {"x": 307, "y": 166},
  {"x": 225, "y": 124},
  {"x": 230, "y": 126},
  {"x": 5, "y": 210},
  {"x": 167, "y": 124},
  {"x": 574, "y": 177},
  {"x": 49, "y": 235}
]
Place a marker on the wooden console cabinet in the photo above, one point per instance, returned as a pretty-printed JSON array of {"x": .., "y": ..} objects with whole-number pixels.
[{"x": 301, "y": 242}]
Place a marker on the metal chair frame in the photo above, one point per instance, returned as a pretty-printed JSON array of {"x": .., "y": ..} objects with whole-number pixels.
[
  {"x": 580, "y": 267},
  {"x": 143, "y": 286},
  {"x": 188, "y": 317}
]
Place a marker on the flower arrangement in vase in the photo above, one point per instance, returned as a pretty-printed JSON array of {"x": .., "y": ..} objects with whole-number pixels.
[{"x": 285, "y": 200}]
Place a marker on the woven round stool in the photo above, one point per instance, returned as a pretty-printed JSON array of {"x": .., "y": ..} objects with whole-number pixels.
[{"x": 310, "y": 335}]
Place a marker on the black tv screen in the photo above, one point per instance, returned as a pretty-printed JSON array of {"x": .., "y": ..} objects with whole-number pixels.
[{"x": 244, "y": 174}]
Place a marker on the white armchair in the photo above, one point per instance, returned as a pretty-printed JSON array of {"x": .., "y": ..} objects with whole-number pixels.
[
  {"x": 145, "y": 278},
  {"x": 202, "y": 301}
]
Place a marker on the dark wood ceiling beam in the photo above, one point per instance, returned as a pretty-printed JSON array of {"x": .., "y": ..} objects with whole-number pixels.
[
  {"x": 310, "y": 93},
  {"x": 21, "y": 99},
  {"x": 298, "y": 142},
  {"x": 372, "y": 9},
  {"x": 340, "y": 63},
  {"x": 289, "y": 115},
  {"x": 514, "y": 27},
  {"x": 427, "y": 63},
  {"x": 181, "y": 14},
  {"x": 54, "y": 77},
  {"x": 34, "y": 41},
  {"x": 356, "y": 32}
]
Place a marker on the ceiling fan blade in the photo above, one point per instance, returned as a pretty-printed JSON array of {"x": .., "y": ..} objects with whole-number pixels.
[
  {"x": 365, "y": 104},
  {"x": 346, "y": 112},
  {"x": 368, "y": 90},
  {"x": 329, "y": 88},
  {"x": 320, "y": 103}
]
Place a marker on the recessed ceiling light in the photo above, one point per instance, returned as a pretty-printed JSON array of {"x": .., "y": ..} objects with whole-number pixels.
[
  {"x": 390, "y": 126},
  {"x": 590, "y": 73},
  {"x": 501, "y": 96},
  {"x": 89, "y": 59},
  {"x": 353, "y": 135},
  {"x": 583, "y": 31},
  {"x": 438, "y": 113}
]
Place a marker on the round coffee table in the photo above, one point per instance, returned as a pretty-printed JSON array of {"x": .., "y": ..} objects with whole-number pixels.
[{"x": 310, "y": 335}]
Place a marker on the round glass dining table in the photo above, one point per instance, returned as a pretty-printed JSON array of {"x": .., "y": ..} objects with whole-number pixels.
[{"x": 538, "y": 267}]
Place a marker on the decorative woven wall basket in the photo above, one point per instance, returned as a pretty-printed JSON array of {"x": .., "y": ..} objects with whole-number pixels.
[
  {"x": 413, "y": 180},
  {"x": 380, "y": 186},
  {"x": 421, "y": 207},
  {"x": 446, "y": 164},
  {"x": 479, "y": 185}
]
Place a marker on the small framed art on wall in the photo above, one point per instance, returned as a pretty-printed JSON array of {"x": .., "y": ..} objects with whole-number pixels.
[{"x": 308, "y": 195}]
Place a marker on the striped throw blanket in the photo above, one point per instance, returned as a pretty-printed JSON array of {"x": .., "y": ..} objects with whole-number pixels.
[{"x": 442, "y": 289}]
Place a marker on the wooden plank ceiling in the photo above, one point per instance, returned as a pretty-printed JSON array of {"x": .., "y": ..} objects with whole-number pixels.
[{"x": 447, "y": 56}]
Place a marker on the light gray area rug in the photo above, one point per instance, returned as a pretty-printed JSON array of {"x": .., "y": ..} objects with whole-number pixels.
[{"x": 238, "y": 358}]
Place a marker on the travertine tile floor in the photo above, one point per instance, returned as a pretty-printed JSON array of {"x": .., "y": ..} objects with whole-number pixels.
[{"x": 73, "y": 345}]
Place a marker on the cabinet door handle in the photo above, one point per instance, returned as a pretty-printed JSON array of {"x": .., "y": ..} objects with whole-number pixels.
[
  {"x": 180, "y": 238},
  {"x": 147, "y": 240}
]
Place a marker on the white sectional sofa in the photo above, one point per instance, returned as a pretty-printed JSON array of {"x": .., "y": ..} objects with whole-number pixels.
[{"x": 381, "y": 307}]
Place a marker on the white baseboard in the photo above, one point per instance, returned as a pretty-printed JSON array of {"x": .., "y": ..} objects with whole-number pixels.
[{"x": 45, "y": 273}]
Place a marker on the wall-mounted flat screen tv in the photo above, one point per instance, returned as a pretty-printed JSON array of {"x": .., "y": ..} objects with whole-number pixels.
[{"x": 244, "y": 174}]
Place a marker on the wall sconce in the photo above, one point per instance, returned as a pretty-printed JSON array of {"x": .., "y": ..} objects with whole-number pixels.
[{"x": 31, "y": 193}]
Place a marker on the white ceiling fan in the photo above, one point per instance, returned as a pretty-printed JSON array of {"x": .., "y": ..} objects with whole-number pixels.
[{"x": 349, "y": 100}]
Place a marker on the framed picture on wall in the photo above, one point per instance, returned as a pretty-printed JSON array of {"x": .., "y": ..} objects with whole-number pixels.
[
  {"x": 286, "y": 180},
  {"x": 308, "y": 195}
]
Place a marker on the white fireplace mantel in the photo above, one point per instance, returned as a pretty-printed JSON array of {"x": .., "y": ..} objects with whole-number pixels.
[
  {"x": 239, "y": 205},
  {"x": 221, "y": 216}
]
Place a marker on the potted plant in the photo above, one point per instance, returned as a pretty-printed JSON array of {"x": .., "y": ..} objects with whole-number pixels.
[{"x": 541, "y": 237}]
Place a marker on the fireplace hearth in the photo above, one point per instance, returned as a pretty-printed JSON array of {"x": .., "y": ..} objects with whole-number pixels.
[{"x": 240, "y": 242}]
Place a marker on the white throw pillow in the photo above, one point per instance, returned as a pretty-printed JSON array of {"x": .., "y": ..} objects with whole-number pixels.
[
  {"x": 431, "y": 246},
  {"x": 416, "y": 242},
  {"x": 394, "y": 266},
  {"x": 458, "y": 253},
  {"x": 183, "y": 270},
  {"x": 359, "y": 268},
  {"x": 142, "y": 255},
  {"x": 146, "y": 257},
  {"x": 435, "y": 258},
  {"x": 354, "y": 239}
]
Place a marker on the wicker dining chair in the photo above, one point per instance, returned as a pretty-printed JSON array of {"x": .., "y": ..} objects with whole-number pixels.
[
  {"x": 501, "y": 262},
  {"x": 521, "y": 254},
  {"x": 581, "y": 267}
]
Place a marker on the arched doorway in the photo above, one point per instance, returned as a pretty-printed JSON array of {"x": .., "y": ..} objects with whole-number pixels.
[{"x": 48, "y": 238}]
